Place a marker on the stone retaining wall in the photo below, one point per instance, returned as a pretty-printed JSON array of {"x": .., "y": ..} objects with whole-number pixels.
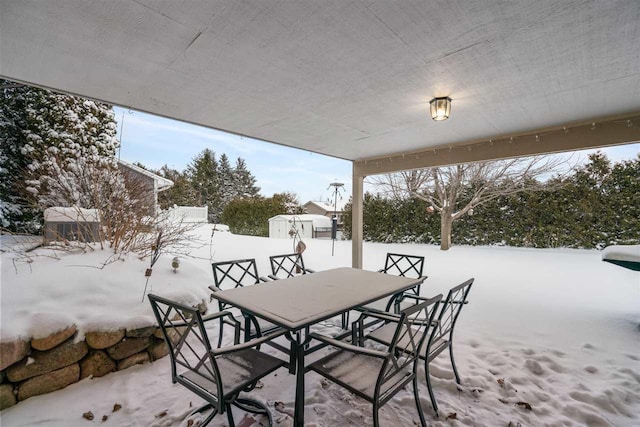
[{"x": 30, "y": 368}]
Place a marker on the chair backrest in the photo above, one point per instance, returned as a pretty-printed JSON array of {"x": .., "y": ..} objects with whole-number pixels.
[
  {"x": 189, "y": 347},
  {"x": 451, "y": 307},
  {"x": 408, "y": 339},
  {"x": 404, "y": 265},
  {"x": 235, "y": 274},
  {"x": 288, "y": 265}
]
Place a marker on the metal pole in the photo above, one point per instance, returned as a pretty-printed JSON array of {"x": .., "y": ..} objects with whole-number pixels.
[
  {"x": 121, "y": 131},
  {"x": 335, "y": 218},
  {"x": 334, "y": 221}
]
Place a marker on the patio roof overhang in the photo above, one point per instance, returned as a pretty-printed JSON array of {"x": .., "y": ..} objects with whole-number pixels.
[{"x": 349, "y": 79}]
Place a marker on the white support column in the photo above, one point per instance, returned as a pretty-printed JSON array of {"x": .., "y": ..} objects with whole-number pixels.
[{"x": 357, "y": 209}]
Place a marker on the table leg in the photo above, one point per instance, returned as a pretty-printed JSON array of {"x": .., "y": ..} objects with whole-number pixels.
[
  {"x": 292, "y": 353},
  {"x": 296, "y": 365},
  {"x": 298, "y": 420}
]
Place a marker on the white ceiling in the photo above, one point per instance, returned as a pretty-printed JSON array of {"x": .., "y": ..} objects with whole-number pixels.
[{"x": 351, "y": 79}]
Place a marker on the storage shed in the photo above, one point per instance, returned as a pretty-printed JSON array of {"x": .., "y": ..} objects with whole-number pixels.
[
  {"x": 71, "y": 224},
  {"x": 280, "y": 226}
]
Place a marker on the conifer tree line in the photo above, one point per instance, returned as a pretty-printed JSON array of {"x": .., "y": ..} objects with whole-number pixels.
[
  {"x": 595, "y": 206},
  {"x": 229, "y": 192},
  {"x": 208, "y": 181}
]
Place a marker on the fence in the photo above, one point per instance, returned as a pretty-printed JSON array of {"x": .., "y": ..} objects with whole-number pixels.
[{"x": 190, "y": 213}]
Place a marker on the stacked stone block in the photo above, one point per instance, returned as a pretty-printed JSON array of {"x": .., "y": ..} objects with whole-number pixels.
[{"x": 38, "y": 366}]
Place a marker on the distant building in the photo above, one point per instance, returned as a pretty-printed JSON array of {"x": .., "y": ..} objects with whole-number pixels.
[
  {"x": 324, "y": 209},
  {"x": 152, "y": 183},
  {"x": 307, "y": 226}
]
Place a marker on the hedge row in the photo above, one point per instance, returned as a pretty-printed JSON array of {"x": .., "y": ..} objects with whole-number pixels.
[{"x": 598, "y": 205}]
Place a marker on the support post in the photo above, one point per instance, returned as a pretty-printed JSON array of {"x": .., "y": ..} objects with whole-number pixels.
[{"x": 357, "y": 206}]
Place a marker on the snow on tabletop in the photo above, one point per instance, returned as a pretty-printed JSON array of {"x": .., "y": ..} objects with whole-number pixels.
[
  {"x": 543, "y": 328},
  {"x": 629, "y": 253}
]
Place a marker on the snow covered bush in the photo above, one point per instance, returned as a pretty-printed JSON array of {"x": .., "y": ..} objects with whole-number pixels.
[
  {"x": 48, "y": 136},
  {"x": 59, "y": 150}
]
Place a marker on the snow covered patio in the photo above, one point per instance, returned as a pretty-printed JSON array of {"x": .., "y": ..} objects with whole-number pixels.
[
  {"x": 553, "y": 330},
  {"x": 557, "y": 329}
]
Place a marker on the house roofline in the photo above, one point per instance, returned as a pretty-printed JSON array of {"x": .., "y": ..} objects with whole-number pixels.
[{"x": 163, "y": 183}]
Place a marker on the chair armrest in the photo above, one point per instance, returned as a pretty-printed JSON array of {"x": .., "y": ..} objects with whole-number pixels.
[
  {"x": 417, "y": 298},
  {"x": 365, "y": 309},
  {"x": 249, "y": 344},
  {"x": 205, "y": 319},
  {"x": 350, "y": 347},
  {"x": 382, "y": 315}
]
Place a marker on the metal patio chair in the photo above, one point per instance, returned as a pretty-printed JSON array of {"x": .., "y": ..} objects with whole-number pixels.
[
  {"x": 236, "y": 274},
  {"x": 217, "y": 375},
  {"x": 397, "y": 265},
  {"x": 444, "y": 327},
  {"x": 288, "y": 265},
  {"x": 405, "y": 266},
  {"x": 375, "y": 375}
]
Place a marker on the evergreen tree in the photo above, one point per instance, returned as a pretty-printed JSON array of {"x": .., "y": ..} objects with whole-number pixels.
[
  {"x": 205, "y": 182},
  {"x": 180, "y": 194},
  {"x": 226, "y": 180},
  {"x": 244, "y": 181},
  {"x": 209, "y": 182},
  {"x": 16, "y": 213},
  {"x": 623, "y": 189},
  {"x": 48, "y": 139}
]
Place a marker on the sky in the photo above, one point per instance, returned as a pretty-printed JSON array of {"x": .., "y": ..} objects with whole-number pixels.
[{"x": 155, "y": 141}]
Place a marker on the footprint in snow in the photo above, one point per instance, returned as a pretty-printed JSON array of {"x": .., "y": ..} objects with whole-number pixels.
[{"x": 534, "y": 366}]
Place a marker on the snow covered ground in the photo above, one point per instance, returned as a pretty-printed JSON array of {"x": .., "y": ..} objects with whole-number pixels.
[{"x": 558, "y": 328}]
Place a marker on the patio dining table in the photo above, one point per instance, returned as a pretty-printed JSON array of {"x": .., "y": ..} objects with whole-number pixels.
[{"x": 299, "y": 302}]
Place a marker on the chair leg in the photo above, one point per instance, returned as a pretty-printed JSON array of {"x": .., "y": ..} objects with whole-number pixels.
[
  {"x": 453, "y": 362},
  {"x": 431, "y": 395},
  {"x": 249, "y": 329},
  {"x": 358, "y": 325},
  {"x": 229, "y": 415},
  {"x": 205, "y": 408},
  {"x": 423, "y": 423},
  {"x": 376, "y": 419},
  {"x": 253, "y": 406},
  {"x": 220, "y": 334},
  {"x": 345, "y": 320}
]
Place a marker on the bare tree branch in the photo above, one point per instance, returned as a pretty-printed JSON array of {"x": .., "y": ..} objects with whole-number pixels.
[{"x": 445, "y": 188}]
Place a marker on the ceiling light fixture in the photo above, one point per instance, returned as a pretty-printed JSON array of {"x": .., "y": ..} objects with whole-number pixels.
[{"x": 440, "y": 108}]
